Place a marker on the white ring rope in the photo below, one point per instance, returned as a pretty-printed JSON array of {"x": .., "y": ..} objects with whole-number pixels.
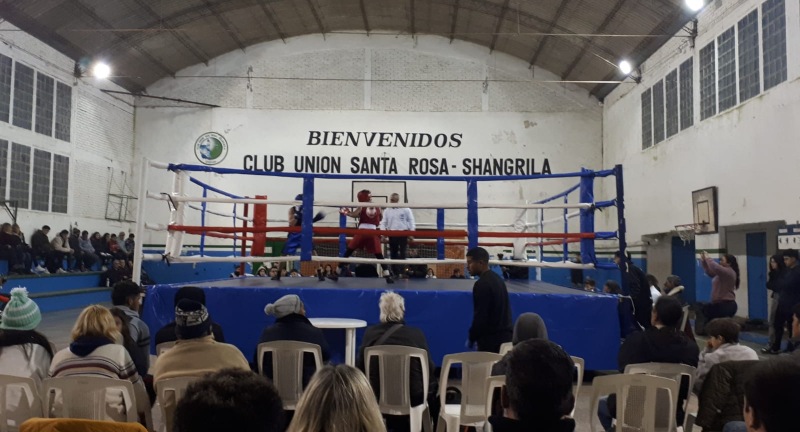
[{"x": 241, "y": 218}]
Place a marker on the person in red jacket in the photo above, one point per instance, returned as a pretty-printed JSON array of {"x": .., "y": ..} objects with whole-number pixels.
[{"x": 368, "y": 218}]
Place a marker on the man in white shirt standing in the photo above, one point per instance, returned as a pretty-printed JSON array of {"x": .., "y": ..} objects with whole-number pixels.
[{"x": 398, "y": 219}]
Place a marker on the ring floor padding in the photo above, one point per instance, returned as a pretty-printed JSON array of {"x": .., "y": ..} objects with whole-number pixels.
[{"x": 585, "y": 324}]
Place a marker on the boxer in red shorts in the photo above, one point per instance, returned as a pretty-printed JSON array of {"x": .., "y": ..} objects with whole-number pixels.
[{"x": 368, "y": 218}]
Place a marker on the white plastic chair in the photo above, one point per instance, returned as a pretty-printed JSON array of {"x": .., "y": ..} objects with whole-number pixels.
[
  {"x": 29, "y": 403},
  {"x": 580, "y": 367},
  {"x": 287, "y": 367},
  {"x": 164, "y": 347},
  {"x": 492, "y": 383},
  {"x": 169, "y": 392},
  {"x": 475, "y": 368},
  {"x": 394, "y": 371},
  {"x": 636, "y": 400},
  {"x": 84, "y": 397},
  {"x": 673, "y": 371},
  {"x": 506, "y": 348}
]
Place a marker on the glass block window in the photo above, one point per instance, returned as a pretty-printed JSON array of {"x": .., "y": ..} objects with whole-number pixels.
[
  {"x": 3, "y": 165},
  {"x": 647, "y": 119},
  {"x": 749, "y": 76},
  {"x": 687, "y": 93},
  {"x": 5, "y": 87},
  {"x": 40, "y": 196},
  {"x": 726, "y": 54},
  {"x": 658, "y": 112},
  {"x": 23, "y": 96},
  {"x": 708, "y": 81},
  {"x": 60, "y": 184},
  {"x": 773, "y": 27},
  {"x": 44, "y": 104},
  {"x": 19, "y": 181},
  {"x": 63, "y": 111},
  {"x": 671, "y": 89}
]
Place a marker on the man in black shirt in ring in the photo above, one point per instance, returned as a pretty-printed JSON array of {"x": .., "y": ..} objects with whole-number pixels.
[{"x": 491, "y": 320}]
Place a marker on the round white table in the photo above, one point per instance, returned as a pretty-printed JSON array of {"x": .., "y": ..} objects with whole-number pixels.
[{"x": 349, "y": 325}]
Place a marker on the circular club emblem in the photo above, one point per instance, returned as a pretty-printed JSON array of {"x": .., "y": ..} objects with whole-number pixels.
[{"x": 211, "y": 148}]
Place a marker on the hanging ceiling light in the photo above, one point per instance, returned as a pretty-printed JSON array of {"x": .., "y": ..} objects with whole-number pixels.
[
  {"x": 625, "y": 67},
  {"x": 101, "y": 70},
  {"x": 695, "y": 5}
]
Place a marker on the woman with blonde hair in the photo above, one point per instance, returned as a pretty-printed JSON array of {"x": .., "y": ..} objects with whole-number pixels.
[
  {"x": 338, "y": 399},
  {"x": 93, "y": 352}
]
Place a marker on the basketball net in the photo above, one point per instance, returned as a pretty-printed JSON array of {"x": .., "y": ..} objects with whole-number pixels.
[{"x": 687, "y": 231}]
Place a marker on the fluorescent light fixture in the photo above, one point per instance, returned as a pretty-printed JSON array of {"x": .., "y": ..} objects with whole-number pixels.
[
  {"x": 695, "y": 5},
  {"x": 101, "y": 70},
  {"x": 625, "y": 67}
]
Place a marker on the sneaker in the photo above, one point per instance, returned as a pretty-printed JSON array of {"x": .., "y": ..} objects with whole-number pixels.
[
  {"x": 61, "y": 271},
  {"x": 40, "y": 269},
  {"x": 770, "y": 351}
]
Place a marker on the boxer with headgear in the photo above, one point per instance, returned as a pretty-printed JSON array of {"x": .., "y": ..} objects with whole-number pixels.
[
  {"x": 368, "y": 218},
  {"x": 293, "y": 239}
]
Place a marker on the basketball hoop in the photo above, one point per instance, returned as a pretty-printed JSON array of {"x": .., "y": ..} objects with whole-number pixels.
[{"x": 687, "y": 231}]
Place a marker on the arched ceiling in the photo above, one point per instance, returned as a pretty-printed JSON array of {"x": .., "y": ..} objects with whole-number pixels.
[{"x": 146, "y": 40}]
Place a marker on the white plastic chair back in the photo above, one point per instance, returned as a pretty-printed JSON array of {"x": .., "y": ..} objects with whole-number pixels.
[
  {"x": 492, "y": 383},
  {"x": 164, "y": 347},
  {"x": 84, "y": 397},
  {"x": 394, "y": 372},
  {"x": 287, "y": 367},
  {"x": 506, "y": 348},
  {"x": 580, "y": 367},
  {"x": 673, "y": 371},
  {"x": 684, "y": 317},
  {"x": 475, "y": 368},
  {"x": 636, "y": 400},
  {"x": 169, "y": 392},
  {"x": 23, "y": 392}
]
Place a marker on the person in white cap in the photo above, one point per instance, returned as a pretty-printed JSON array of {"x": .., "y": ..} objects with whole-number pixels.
[{"x": 291, "y": 324}]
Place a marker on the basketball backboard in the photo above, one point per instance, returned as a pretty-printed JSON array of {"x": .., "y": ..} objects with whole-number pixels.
[{"x": 704, "y": 204}]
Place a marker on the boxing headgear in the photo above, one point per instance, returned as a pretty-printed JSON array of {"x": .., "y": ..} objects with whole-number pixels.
[
  {"x": 364, "y": 196},
  {"x": 299, "y": 207},
  {"x": 299, "y": 197}
]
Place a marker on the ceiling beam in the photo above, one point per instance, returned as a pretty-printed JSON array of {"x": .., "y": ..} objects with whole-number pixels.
[
  {"x": 364, "y": 16},
  {"x": 105, "y": 24},
  {"x": 59, "y": 43},
  {"x": 412, "y": 18},
  {"x": 272, "y": 19},
  {"x": 316, "y": 16},
  {"x": 543, "y": 41},
  {"x": 225, "y": 24},
  {"x": 600, "y": 29},
  {"x": 455, "y": 20},
  {"x": 197, "y": 52},
  {"x": 499, "y": 25}
]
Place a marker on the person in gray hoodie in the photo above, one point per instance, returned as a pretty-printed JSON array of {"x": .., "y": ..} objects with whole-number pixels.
[{"x": 722, "y": 345}]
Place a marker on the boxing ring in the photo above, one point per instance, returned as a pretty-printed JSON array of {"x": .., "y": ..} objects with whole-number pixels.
[{"x": 585, "y": 324}]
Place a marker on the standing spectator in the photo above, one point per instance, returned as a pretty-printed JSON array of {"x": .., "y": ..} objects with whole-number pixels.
[
  {"x": 655, "y": 291},
  {"x": 89, "y": 255},
  {"x": 40, "y": 245},
  {"x": 398, "y": 219},
  {"x": 491, "y": 318},
  {"x": 62, "y": 251},
  {"x": 230, "y": 400},
  {"x": 167, "y": 333},
  {"x": 776, "y": 271},
  {"x": 638, "y": 288},
  {"x": 722, "y": 346},
  {"x": 796, "y": 331},
  {"x": 24, "y": 352},
  {"x": 127, "y": 296},
  {"x": 724, "y": 283},
  {"x": 576, "y": 275},
  {"x": 13, "y": 250},
  {"x": 625, "y": 309},
  {"x": 789, "y": 288}
]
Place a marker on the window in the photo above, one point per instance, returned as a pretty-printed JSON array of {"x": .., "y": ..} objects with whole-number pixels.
[
  {"x": 5, "y": 87},
  {"x": 687, "y": 93},
  {"x": 44, "y": 104},
  {"x": 671, "y": 89},
  {"x": 3, "y": 164},
  {"x": 60, "y": 184},
  {"x": 63, "y": 111},
  {"x": 647, "y": 119},
  {"x": 749, "y": 79},
  {"x": 40, "y": 197},
  {"x": 773, "y": 27},
  {"x": 658, "y": 112},
  {"x": 708, "y": 81},
  {"x": 726, "y": 52},
  {"x": 20, "y": 174},
  {"x": 23, "y": 96}
]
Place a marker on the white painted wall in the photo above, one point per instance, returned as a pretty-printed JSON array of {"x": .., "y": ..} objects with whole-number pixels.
[
  {"x": 101, "y": 138},
  {"x": 383, "y": 85}
]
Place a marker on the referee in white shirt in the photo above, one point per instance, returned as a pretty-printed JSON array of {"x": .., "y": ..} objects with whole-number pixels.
[{"x": 398, "y": 219}]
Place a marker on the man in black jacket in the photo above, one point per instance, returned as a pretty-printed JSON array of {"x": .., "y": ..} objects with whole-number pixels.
[
  {"x": 789, "y": 287},
  {"x": 638, "y": 288},
  {"x": 491, "y": 319}
]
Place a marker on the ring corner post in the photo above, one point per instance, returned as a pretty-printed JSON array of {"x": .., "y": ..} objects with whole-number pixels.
[
  {"x": 472, "y": 213},
  {"x": 440, "y": 240},
  {"x": 307, "y": 229},
  {"x": 621, "y": 224},
  {"x": 587, "y": 216}
]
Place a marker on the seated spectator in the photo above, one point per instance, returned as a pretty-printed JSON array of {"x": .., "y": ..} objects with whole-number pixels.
[
  {"x": 430, "y": 274},
  {"x": 168, "y": 332},
  {"x": 262, "y": 272},
  {"x": 590, "y": 285},
  {"x": 124, "y": 328},
  {"x": 393, "y": 330},
  {"x": 130, "y": 244},
  {"x": 721, "y": 399},
  {"x": 124, "y": 253},
  {"x": 101, "y": 248},
  {"x": 538, "y": 391},
  {"x": 90, "y": 257},
  {"x": 457, "y": 274},
  {"x": 127, "y": 296},
  {"x": 273, "y": 273},
  {"x": 230, "y": 400},
  {"x": 771, "y": 397},
  {"x": 722, "y": 345},
  {"x": 61, "y": 252},
  {"x": 528, "y": 326},
  {"x": 16, "y": 230},
  {"x": 24, "y": 352},
  {"x": 40, "y": 245},
  {"x": 115, "y": 274},
  {"x": 83, "y": 261},
  {"x": 625, "y": 310},
  {"x": 295, "y": 273},
  {"x": 663, "y": 342},
  {"x": 338, "y": 399},
  {"x": 655, "y": 291},
  {"x": 673, "y": 287},
  {"x": 291, "y": 324},
  {"x": 195, "y": 353},
  {"x": 113, "y": 248},
  {"x": 94, "y": 353},
  {"x": 14, "y": 251}
]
